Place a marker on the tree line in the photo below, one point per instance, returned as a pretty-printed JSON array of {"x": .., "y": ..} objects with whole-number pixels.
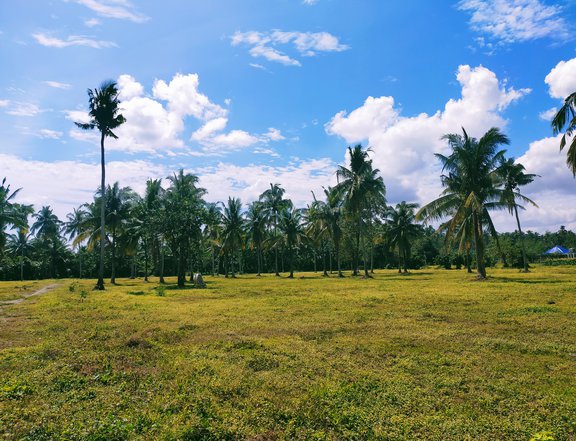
[{"x": 350, "y": 222}]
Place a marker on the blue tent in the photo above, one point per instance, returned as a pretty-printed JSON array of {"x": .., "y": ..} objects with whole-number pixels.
[{"x": 558, "y": 250}]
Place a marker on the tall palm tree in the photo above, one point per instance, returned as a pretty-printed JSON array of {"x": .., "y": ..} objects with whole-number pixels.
[
  {"x": 104, "y": 112},
  {"x": 513, "y": 177},
  {"x": 232, "y": 230},
  {"x": 47, "y": 228},
  {"x": 19, "y": 242},
  {"x": 317, "y": 230},
  {"x": 360, "y": 188},
  {"x": 566, "y": 117},
  {"x": 10, "y": 215},
  {"x": 151, "y": 209},
  {"x": 256, "y": 227},
  {"x": 119, "y": 202},
  {"x": 470, "y": 186},
  {"x": 182, "y": 217},
  {"x": 332, "y": 213},
  {"x": 293, "y": 233},
  {"x": 401, "y": 231},
  {"x": 73, "y": 228},
  {"x": 274, "y": 203}
]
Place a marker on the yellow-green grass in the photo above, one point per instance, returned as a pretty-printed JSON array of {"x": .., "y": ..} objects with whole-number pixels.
[
  {"x": 10, "y": 291},
  {"x": 429, "y": 355}
]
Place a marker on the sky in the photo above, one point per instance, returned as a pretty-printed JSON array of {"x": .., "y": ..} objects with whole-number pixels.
[{"x": 252, "y": 92}]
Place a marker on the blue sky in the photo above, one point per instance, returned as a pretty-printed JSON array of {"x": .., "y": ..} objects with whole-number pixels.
[{"x": 244, "y": 93}]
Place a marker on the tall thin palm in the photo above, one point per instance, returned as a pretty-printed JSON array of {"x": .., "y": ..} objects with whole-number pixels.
[
  {"x": 274, "y": 203},
  {"x": 10, "y": 216},
  {"x": 47, "y": 228},
  {"x": 104, "y": 112},
  {"x": 470, "y": 186},
  {"x": 566, "y": 118},
  {"x": 73, "y": 228},
  {"x": 293, "y": 233},
  {"x": 360, "y": 188},
  {"x": 119, "y": 202},
  {"x": 401, "y": 230},
  {"x": 212, "y": 230},
  {"x": 256, "y": 227},
  {"x": 513, "y": 178},
  {"x": 232, "y": 229}
]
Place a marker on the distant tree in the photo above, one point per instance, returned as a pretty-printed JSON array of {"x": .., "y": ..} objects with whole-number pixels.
[
  {"x": 182, "y": 218},
  {"x": 104, "y": 113},
  {"x": 47, "y": 229},
  {"x": 10, "y": 213},
  {"x": 360, "y": 187},
  {"x": 232, "y": 231},
  {"x": 513, "y": 177},
  {"x": 401, "y": 231},
  {"x": 256, "y": 228},
  {"x": 293, "y": 233},
  {"x": 73, "y": 228},
  {"x": 566, "y": 118},
  {"x": 274, "y": 203}
]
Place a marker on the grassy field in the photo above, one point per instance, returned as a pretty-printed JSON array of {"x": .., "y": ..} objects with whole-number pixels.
[{"x": 432, "y": 355}]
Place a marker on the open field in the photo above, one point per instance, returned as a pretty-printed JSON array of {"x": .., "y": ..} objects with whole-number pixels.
[{"x": 430, "y": 355}]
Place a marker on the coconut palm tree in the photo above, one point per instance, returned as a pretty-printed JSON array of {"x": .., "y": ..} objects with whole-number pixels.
[
  {"x": 73, "y": 228},
  {"x": 256, "y": 228},
  {"x": 10, "y": 214},
  {"x": 513, "y": 177},
  {"x": 104, "y": 113},
  {"x": 401, "y": 231},
  {"x": 360, "y": 188},
  {"x": 19, "y": 242},
  {"x": 274, "y": 203},
  {"x": 293, "y": 233},
  {"x": 566, "y": 118},
  {"x": 119, "y": 202},
  {"x": 317, "y": 230},
  {"x": 232, "y": 231},
  {"x": 470, "y": 186},
  {"x": 47, "y": 229},
  {"x": 181, "y": 216}
]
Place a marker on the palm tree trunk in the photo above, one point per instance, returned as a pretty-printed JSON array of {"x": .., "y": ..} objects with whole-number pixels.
[
  {"x": 357, "y": 251},
  {"x": 372, "y": 259},
  {"x": 22, "y": 264},
  {"x": 291, "y": 276},
  {"x": 479, "y": 246},
  {"x": 213, "y": 262},
  {"x": 80, "y": 259},
  {"x": 325, "y": 272},
  {"x": 524, "y": 259},
  {"x": 276, "y": 245},
  {"x": 259, "y": 260},
  {"x": 100, "y": 282},
  {"x": 145, "y": 263},
  {"x": 337, "y": 246},
  {"x": 162, "y": 264},
  {"x": 181, "y": 268},
  {"x": 468, "y": 260},
  {"x": 113, "y": 275}
]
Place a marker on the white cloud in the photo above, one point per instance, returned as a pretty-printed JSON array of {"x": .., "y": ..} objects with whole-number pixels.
[
  {"x": 403, "y": 147},
  {"x": 72, "y": 40},
  {"x": 80, "y": 116},
  {"x": 18, "y": 108},
  {"x": 58, "y": 85},
  {"x": 309, "y": 2},
  {"x": 4, "y": 103},
  {"x": 92, "y": 22},
  {"x": 264, "y": 44},
  {"x": 510, "y": 21},
  {"x": 273, "y": 135},
  {"x": 119, "y": 9},
  {"x": 42, "y": 182},
  {"x": 184, "y": 98},
  {"x": 299, "y": 178},
  {"x": 562, "y": 79},
  {"x": 49, "y": 134},
  {"x": 547, "y": 115},
  {"x": 129, "y": 88}
]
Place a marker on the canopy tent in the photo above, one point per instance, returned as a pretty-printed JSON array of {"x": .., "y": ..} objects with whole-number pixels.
[{"x": 558, "y": 250}]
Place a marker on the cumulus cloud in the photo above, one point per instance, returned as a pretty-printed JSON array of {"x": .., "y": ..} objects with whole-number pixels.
[
  {"x": 49, "y": 134},
  {"x": 157, "y": 123},
  {"x": 119, "y": 9},
  {"x": 71, "y": 40},
  {"x": 547, "y": 115},
  {"x": 308, "y": 44},
  {"x": 561, "y": 80},
  {"x": 510, "y": 21},
  {"x": 404, "y": 147}
]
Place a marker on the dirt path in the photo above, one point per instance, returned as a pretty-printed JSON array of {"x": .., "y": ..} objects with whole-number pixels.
[{"x": 38, "y": 292}]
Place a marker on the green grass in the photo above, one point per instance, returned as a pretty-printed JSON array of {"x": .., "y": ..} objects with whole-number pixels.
[{"x": 431, "y": 355}]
